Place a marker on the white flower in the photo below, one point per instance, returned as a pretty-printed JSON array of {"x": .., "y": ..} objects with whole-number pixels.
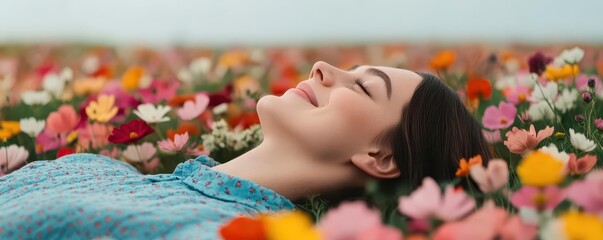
[
  {"x": 533, "y": 216},
  {"x": 139, "y": 153},
  {"x": 200, "y": 66},
  {"x": 553, "y": 230},
  {"x": 145, "y": 81},
  {"x": 505, "y": 82},
  {"x": 185, "y": 76},
  {"x": 548, "y": 92},
  {"x": 580, "y": 141},
  {"x": 90, "y": 64},
  {"x": 554, "y": 151},
  {"x": 66, "y": 74},
  {"x": 512, "y": 65},
  {"x": 220, "y": 108},
  {"x": 33, "y": 97},
  {"x": 12, "y": 157},
  {"x": 567, "y": 100},
  {"x": 571, "y": 56},
  {"x": 151, "y": 114},
  {"x": 31, "y": 126},
  {"x": 540, "y": 111},
  {"x": 53, "y": 84}
]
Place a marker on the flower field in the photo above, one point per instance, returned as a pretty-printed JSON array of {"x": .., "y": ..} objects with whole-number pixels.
[{"x": 541, "y": 109}]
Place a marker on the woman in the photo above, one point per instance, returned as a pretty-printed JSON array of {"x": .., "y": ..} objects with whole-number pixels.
[{"x": 337, "y": 130}]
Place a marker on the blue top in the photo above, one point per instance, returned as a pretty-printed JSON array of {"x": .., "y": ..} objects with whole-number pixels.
[{"x": 85, "y": 196}]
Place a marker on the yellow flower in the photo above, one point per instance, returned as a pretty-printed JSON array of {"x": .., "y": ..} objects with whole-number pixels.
[
  {"x": 232, "y": 58},
  {"x": 9, "y": 129},
  {"x": 131, "y": 78},
  {"x": 442, "y": 60},
  {"x": 290, "y": 226},
  {"x": 582, "y": 226},
  {"x": 540, "y": 169},
  {"x": 12, "y": 126},
  {"x": 566, "y": 71},
  {"x": 72, "y": 136},
  {"x": 88, "y": 85},
  {"x": 103, "y": 109}
]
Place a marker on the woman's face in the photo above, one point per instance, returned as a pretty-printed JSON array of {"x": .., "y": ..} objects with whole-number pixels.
[{"x": 330, "y": 116}]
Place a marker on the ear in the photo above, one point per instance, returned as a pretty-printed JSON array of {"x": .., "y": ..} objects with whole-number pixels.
[{"x": 376, "y": 162}]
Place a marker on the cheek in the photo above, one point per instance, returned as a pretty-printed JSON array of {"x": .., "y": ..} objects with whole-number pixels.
[{"x": 357, "y": 116}]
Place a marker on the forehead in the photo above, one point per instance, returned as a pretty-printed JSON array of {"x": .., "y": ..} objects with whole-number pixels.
[{"x": 404, "y": 82}]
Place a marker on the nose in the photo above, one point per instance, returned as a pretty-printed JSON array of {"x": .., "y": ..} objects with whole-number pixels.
[{"x": 326, "y": 74}]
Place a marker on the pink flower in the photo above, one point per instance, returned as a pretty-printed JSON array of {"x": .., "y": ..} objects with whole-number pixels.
[
  {"x": 588, "y": 193},
  {"x": 488, "y": 222},
  {"x": 428, "y": 201},
  {"x": 159, "y": 90},
  {"x": 379, "y": 232},
  {"x": 110, "y": 153},
  {"x": 12, "y": 158},
  {"x": 95, "y": 135},
  {"x": 192, "y": 109},
  {"x": 151, "y": 165},
  {"x": 538, "y": 198},
  {"x": 517, "y": 94},
  {"x": 493, "y": 178},
  {"x": 599, "y": 123},
  {"x": 501, "y": 117},
  {"x": 139, "y": 153},
  {"x": 492, "y": 137},
  {"x": 520, "y": 140},
  {"x": 582, "y": 82},
  {"x": 176, "y": 145},
  {"x": 336, "y": 224},
  {"x": 48, "y": 140},
  {"x": 197, "y": 151},
  {"x": 63, "y": 120},
  {"x": 581, "y": 165}
]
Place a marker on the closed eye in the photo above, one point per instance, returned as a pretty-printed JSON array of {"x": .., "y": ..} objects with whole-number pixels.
[{"x": 360, "y": 83}]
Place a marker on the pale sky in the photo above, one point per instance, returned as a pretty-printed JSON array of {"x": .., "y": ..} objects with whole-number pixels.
[{"x": 269, "y": 22}]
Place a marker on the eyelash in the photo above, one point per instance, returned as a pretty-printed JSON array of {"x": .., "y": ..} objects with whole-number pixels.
[{"x": 360, "y": 83}]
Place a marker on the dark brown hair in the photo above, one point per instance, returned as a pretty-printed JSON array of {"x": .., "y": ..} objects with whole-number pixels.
[{"x": 435, "y": 131}]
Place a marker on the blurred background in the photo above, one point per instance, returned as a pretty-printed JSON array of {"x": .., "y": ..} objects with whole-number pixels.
[{"x": 310, "y": 22}]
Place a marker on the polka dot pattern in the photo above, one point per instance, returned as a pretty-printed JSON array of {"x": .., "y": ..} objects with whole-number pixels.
[{"x": 87, "y": 196}]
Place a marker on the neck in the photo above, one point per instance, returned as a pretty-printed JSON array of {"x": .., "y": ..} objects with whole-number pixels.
[{"x": 291, "y": 171}]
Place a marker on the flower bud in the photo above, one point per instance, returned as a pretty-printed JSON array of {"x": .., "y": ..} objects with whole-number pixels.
[
  {"x": 591, "y": 83},
  {"x": 587, "y": 97},
  {"x": 579, "y": 118},
  {"x": 599, "y": 123}
]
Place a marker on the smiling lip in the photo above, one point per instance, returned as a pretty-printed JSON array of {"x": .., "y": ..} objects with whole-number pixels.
[{"x": 306, "y": 92}]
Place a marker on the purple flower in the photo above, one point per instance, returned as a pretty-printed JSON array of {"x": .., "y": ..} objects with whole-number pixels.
[{"x": 537, "y": 63}]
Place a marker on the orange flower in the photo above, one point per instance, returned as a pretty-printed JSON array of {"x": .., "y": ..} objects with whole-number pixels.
[
  {"x": 465, "y": 166},
  {"x": 178, "y": 101},
  {"x": 478, "y": 87},
  {"x": 233, "y": 58},
  {"x": 192, "y": 129},
  {"x": 243, "y": 227},
  {"x": 245, "y": 119},
  {"x": 442, "y": 60},
  {"x": 131, "y": 78}
]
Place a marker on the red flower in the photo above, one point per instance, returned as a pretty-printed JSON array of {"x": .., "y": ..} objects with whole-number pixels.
[
  {"x": 243, "y": 228},
  {"x": 130, "y": 132},
  {"x": 65, "y": 151},
  {"x": 478, "y": 87}
]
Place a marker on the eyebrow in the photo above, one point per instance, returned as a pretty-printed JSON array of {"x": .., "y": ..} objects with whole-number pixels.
[{"x": 382, "y": 75}]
